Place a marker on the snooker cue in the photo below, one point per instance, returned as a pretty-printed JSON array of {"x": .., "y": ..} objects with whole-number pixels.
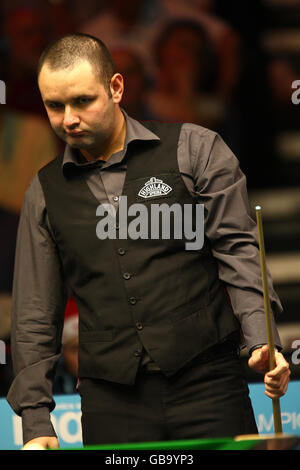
[{"x": 267, "y": 305}]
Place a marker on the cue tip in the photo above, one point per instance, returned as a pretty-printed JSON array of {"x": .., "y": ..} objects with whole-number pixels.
[{"x": 258, "y": 208}]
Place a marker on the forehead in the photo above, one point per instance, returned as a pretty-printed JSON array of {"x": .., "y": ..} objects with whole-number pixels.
[{"x": 76, "y": 80}]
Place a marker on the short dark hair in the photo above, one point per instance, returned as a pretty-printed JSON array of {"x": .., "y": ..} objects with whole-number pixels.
[{"x": 71, "y": 48}]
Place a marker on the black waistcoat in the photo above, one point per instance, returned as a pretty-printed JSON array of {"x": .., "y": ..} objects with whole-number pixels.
[{"x": 150, "y": 293}]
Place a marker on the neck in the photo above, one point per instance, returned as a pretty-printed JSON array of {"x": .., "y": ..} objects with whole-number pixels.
[{"x": 114, "y": 143}]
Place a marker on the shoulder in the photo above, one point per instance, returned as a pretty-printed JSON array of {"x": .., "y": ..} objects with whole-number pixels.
[
  {"x": 54, "y": 163},
  {"x": 195, "y": 134},
  {"x": 188, "y": 133},
  {"x": 195, "y": 145},
  {"x": 33, "y": 202}
]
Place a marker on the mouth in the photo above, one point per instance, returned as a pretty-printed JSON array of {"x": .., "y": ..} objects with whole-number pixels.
[{"x": 75, "y": 134}]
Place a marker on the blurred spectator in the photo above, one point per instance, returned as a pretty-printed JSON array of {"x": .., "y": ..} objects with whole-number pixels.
[
  {"x": 205, "y": 98},
  {"x": 138, "y": 23},
  {"x": 222, "y": 36},
  {"x": 123, "y": 24},
  {"x": 67, "y": 370},
  {"x": 27, "y": 29},
  {"x": 26, "y": 32},
  {"x": 117, "y": 20},
  {"x": 186, "y": 83},
  {"x": 26, "y": 144}
]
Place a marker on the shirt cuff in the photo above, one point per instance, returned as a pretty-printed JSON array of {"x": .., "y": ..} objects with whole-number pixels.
[
  {"x": 254, "y": 330},
  {"x": 256, "y": 347},
  {"x": 36, "y": 423},
  {"x": 277, "y": 348}
]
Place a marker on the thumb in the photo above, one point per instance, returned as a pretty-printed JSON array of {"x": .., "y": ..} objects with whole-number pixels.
[
  {"x": 259, "y": 359},
  {"x": 264, "y": 353},
  {"x": 261, "y": 354}
]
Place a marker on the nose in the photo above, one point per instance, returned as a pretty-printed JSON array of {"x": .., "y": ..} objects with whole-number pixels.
[{"x": 71, "y": 119}]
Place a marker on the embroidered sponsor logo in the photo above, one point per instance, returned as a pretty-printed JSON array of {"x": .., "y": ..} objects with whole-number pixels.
[{"x": 154, "y": 187}]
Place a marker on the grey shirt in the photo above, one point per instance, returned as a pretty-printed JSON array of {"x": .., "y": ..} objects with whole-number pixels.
[{"x": 211, "y": 171}]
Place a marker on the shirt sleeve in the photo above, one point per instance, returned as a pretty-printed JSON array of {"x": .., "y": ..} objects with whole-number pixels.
[
  {"x": 39, "y": 301},
  {"x": 221, "y": 186}
]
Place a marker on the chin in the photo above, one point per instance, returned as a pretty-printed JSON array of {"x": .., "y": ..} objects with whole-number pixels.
[
  {"x": 74, "y": 145},
  {"x": 78, "y": 145}
]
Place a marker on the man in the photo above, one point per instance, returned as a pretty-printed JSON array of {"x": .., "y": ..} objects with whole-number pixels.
[{"x": 159, "y": 324}]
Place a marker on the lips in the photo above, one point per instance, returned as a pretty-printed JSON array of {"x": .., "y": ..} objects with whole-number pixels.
[{"x": 75, "y": 133}]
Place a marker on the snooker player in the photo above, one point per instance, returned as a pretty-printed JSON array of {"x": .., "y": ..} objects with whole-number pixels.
[{"x": 160, "y": 326}]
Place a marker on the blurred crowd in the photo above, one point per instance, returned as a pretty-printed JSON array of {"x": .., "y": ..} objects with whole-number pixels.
[{"x": 199, "y": 61}]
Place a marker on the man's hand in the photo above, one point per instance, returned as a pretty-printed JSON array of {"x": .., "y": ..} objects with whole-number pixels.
[
  {"x": 44, "y": 442},
  {"x": 276, "y": 380}
]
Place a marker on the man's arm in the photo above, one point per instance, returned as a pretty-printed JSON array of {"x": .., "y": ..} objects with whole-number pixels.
[
  {"x": 221, "y": 187},
  {"x": 39, "y": 300}
]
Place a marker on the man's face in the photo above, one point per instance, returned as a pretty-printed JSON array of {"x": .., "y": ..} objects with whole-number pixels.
[{"x": 78, "y": 105}]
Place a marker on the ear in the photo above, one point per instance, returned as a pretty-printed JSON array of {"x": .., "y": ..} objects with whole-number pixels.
[{"x": 117, "y": 87}]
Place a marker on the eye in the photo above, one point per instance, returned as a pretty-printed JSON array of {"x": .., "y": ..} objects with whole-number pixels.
[
  {"x": 83, "y": 100},
  {"x": 54, "y": 105}
]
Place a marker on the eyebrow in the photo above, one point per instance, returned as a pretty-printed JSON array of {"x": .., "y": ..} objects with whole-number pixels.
[{"x": 74, "y": 98}]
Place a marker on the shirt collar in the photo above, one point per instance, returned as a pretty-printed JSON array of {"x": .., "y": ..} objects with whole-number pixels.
[{"x": 134, "y": 131}]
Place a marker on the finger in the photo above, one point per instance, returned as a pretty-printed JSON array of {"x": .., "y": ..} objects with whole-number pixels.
[
  {"x": 275, "y": 389},
  {"x": 278, "y": 388},
  {"x": 272, "y": 385},
  {"x": 259, "y": 360},
  {"x": 265, "y": 349},
  {"x": 278, "y": 378},
  {"x": 275, "y": 393},
  {"x": 264, "y": 353},
  {"x": 276, "y": 373},
  {"x": 281, "y": 367},
  {"x": 272, "y": 395}
]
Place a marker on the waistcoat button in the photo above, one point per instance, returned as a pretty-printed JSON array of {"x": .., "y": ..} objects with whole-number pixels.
[
  {"x": 139, "y": 325},
  {"x": 127, "y": 275},
  {"x": 133, "y": 300},
  {"x": 121, "y": 251}
]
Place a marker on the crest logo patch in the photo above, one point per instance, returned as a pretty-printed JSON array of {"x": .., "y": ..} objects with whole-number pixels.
[{"x": 154, "y": 187}]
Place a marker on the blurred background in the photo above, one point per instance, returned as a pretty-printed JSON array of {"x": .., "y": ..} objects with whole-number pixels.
[{"x": 224, "y": 64}]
